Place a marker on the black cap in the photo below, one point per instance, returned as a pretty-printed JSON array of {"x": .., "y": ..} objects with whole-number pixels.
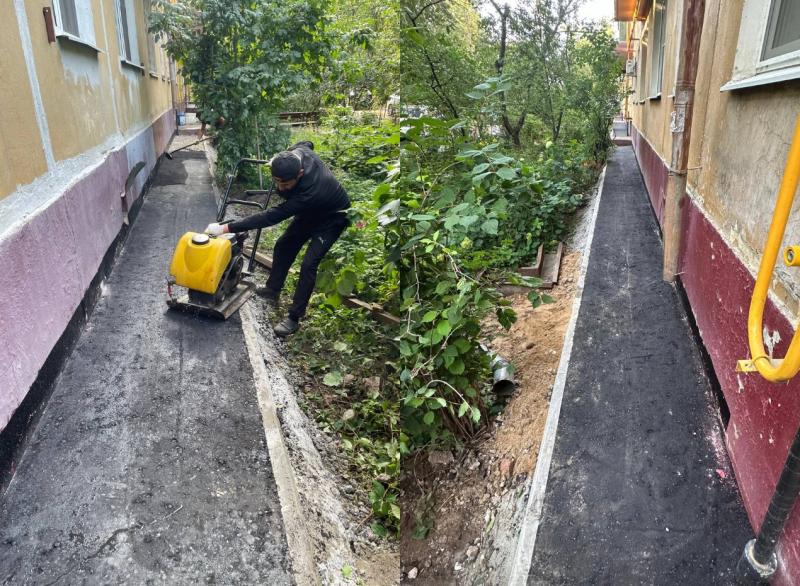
[{"x": 286, "y": 165}]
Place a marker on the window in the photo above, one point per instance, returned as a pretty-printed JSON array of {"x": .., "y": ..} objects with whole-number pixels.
[
  {"x": 641, "y": 62},
  {"x": 164, "y": 63},
  {"x": 783, "y": 29},
  {"x": 768, "y": 50},
  {"x": 658, "y": 45},
  {"x": 126, "y": 32},
  {"x": 151, "y": 42},
  {"x": 73, "y": 20}
]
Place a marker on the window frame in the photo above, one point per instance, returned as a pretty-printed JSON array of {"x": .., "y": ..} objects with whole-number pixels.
[
  {"x": 152, "y": 54},
  {"x": 769, "y": 36},
  {"x": 84, "y": 20},
  {"x": 750, "y": 67},
  {"x": 127, "y": 35},
  {"x": 642, "y": 65},
  {"x": 659, "y": 28}
]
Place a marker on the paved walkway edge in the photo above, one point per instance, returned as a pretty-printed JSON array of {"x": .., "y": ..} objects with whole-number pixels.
[
  {"x": 297, "y": 537},
  {"x": 537, "y": 484}
]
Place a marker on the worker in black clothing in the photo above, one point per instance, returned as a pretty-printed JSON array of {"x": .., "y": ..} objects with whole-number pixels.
[{"x": 318, "y": 203}]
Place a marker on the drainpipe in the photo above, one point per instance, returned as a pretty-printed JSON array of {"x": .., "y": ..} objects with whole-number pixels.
[
  {"x": 758, "y": 561},
  {"x": 681, "y": 127},
  {"x": 173, "y": 87}
]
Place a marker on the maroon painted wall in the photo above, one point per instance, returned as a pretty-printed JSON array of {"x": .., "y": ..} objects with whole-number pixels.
[
  {"x": 654, "y": 172},
  {"x": 764, "y": 416}
]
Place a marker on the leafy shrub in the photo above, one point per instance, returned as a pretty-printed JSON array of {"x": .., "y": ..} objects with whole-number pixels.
[{"x": 450, "y": 200}]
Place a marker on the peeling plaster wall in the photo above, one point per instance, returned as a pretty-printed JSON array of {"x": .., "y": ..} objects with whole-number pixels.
[
  {"x": 740, "y": 140},
  {"x": 21, "y": 152},
  {"x": 87, "y": 95},
  {"x": 76, "y": 90},
  {"x": 651, "y": 114}
]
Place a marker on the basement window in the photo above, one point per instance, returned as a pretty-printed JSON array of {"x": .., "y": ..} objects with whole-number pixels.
[
  {"x": 72, "y": 20},
  {"x": 768, "y": 50}
]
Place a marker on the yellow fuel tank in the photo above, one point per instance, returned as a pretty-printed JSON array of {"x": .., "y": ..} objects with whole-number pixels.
[{"x": 199, "y": 261}]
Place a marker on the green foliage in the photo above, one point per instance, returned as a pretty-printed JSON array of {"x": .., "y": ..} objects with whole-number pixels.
[
  {"x": 453, "y": 200},
  {"x": 242, "y": 60},
  {"x": 443, "y": 207},
  {"x": 358, "y": 145},
  {"x": 345, "y": 347},
  {"x": 359, "y": 154},
  {"x": 562, "y": 79},
  {"x": 364, "y": 68},
  {"x": 348, "y": 351},
  {"x": 444, "y": 53}
]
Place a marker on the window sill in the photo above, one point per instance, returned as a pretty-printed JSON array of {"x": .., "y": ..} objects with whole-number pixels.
[
  {"x": 655, "y": 97},
  {"x": 153, "y": 75},
  {"x": 133, "y": 65},
  {"x": 775, "y": 76},
  {"x": 779, "y": 62},
  {"x": 64, "y": 36}
]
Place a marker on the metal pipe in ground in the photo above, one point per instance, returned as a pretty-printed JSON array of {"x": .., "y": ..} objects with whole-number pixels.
[{"x": 759, "y": 561}]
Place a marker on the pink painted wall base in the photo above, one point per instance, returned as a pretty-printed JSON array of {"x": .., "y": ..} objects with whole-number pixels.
[
  {"x": 654, "y": 172},
  {"x": 48, "y": 262}
]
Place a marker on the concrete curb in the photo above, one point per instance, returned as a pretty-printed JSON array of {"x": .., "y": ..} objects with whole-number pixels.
[
  {"x": 537, "y": 484},
  {"x": 294, "y": 525}
]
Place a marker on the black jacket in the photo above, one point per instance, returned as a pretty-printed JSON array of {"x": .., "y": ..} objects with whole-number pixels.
[{"x": 316, "y": 196}]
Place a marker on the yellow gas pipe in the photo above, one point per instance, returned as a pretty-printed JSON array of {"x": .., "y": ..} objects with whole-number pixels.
[{"x": 775, "y": 370}]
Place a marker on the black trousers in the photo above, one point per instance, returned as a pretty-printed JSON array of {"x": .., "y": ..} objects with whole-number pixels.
[{"x": 322, "y": 233}]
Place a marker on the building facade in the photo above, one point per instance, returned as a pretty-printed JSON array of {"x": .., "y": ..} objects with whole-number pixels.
[
  {"x": 86, "y": 109},
  {"x": 745, "y": 105}
]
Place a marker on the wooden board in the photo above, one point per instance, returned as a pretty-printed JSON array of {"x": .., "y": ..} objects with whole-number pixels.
[
  {"x": 375, "y": 310},
  {"x": 551, "y": 265},
  {"x": 536, "y": 269}
]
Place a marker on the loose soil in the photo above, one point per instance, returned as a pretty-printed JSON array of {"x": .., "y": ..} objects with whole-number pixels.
[{"x": 459, "y": 499}]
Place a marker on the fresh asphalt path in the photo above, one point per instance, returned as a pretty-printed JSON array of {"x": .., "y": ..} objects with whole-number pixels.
[
  {"x": 149, "y": 464},
  {"x": 634, "y": 494}
]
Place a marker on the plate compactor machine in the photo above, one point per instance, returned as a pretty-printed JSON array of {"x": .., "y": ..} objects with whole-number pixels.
[{"x": 211, "y": 268}]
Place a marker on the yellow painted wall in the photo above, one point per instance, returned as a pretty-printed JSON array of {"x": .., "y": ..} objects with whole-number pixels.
[
  {"x": 21, "y": 152},
  {"x": 140, "y": 97},
  {"x": 79, "y": 87},
  {"x": 75, "y": 87},
  {"x": 652, "y": 115}
]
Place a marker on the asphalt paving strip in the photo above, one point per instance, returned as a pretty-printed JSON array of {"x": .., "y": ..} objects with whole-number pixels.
[
  {"x": 633, "y": 495},
  {"x": 149, "y": 463}
]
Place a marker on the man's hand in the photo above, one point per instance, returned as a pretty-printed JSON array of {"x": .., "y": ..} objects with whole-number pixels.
[{"x": 215, "y": 229}]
